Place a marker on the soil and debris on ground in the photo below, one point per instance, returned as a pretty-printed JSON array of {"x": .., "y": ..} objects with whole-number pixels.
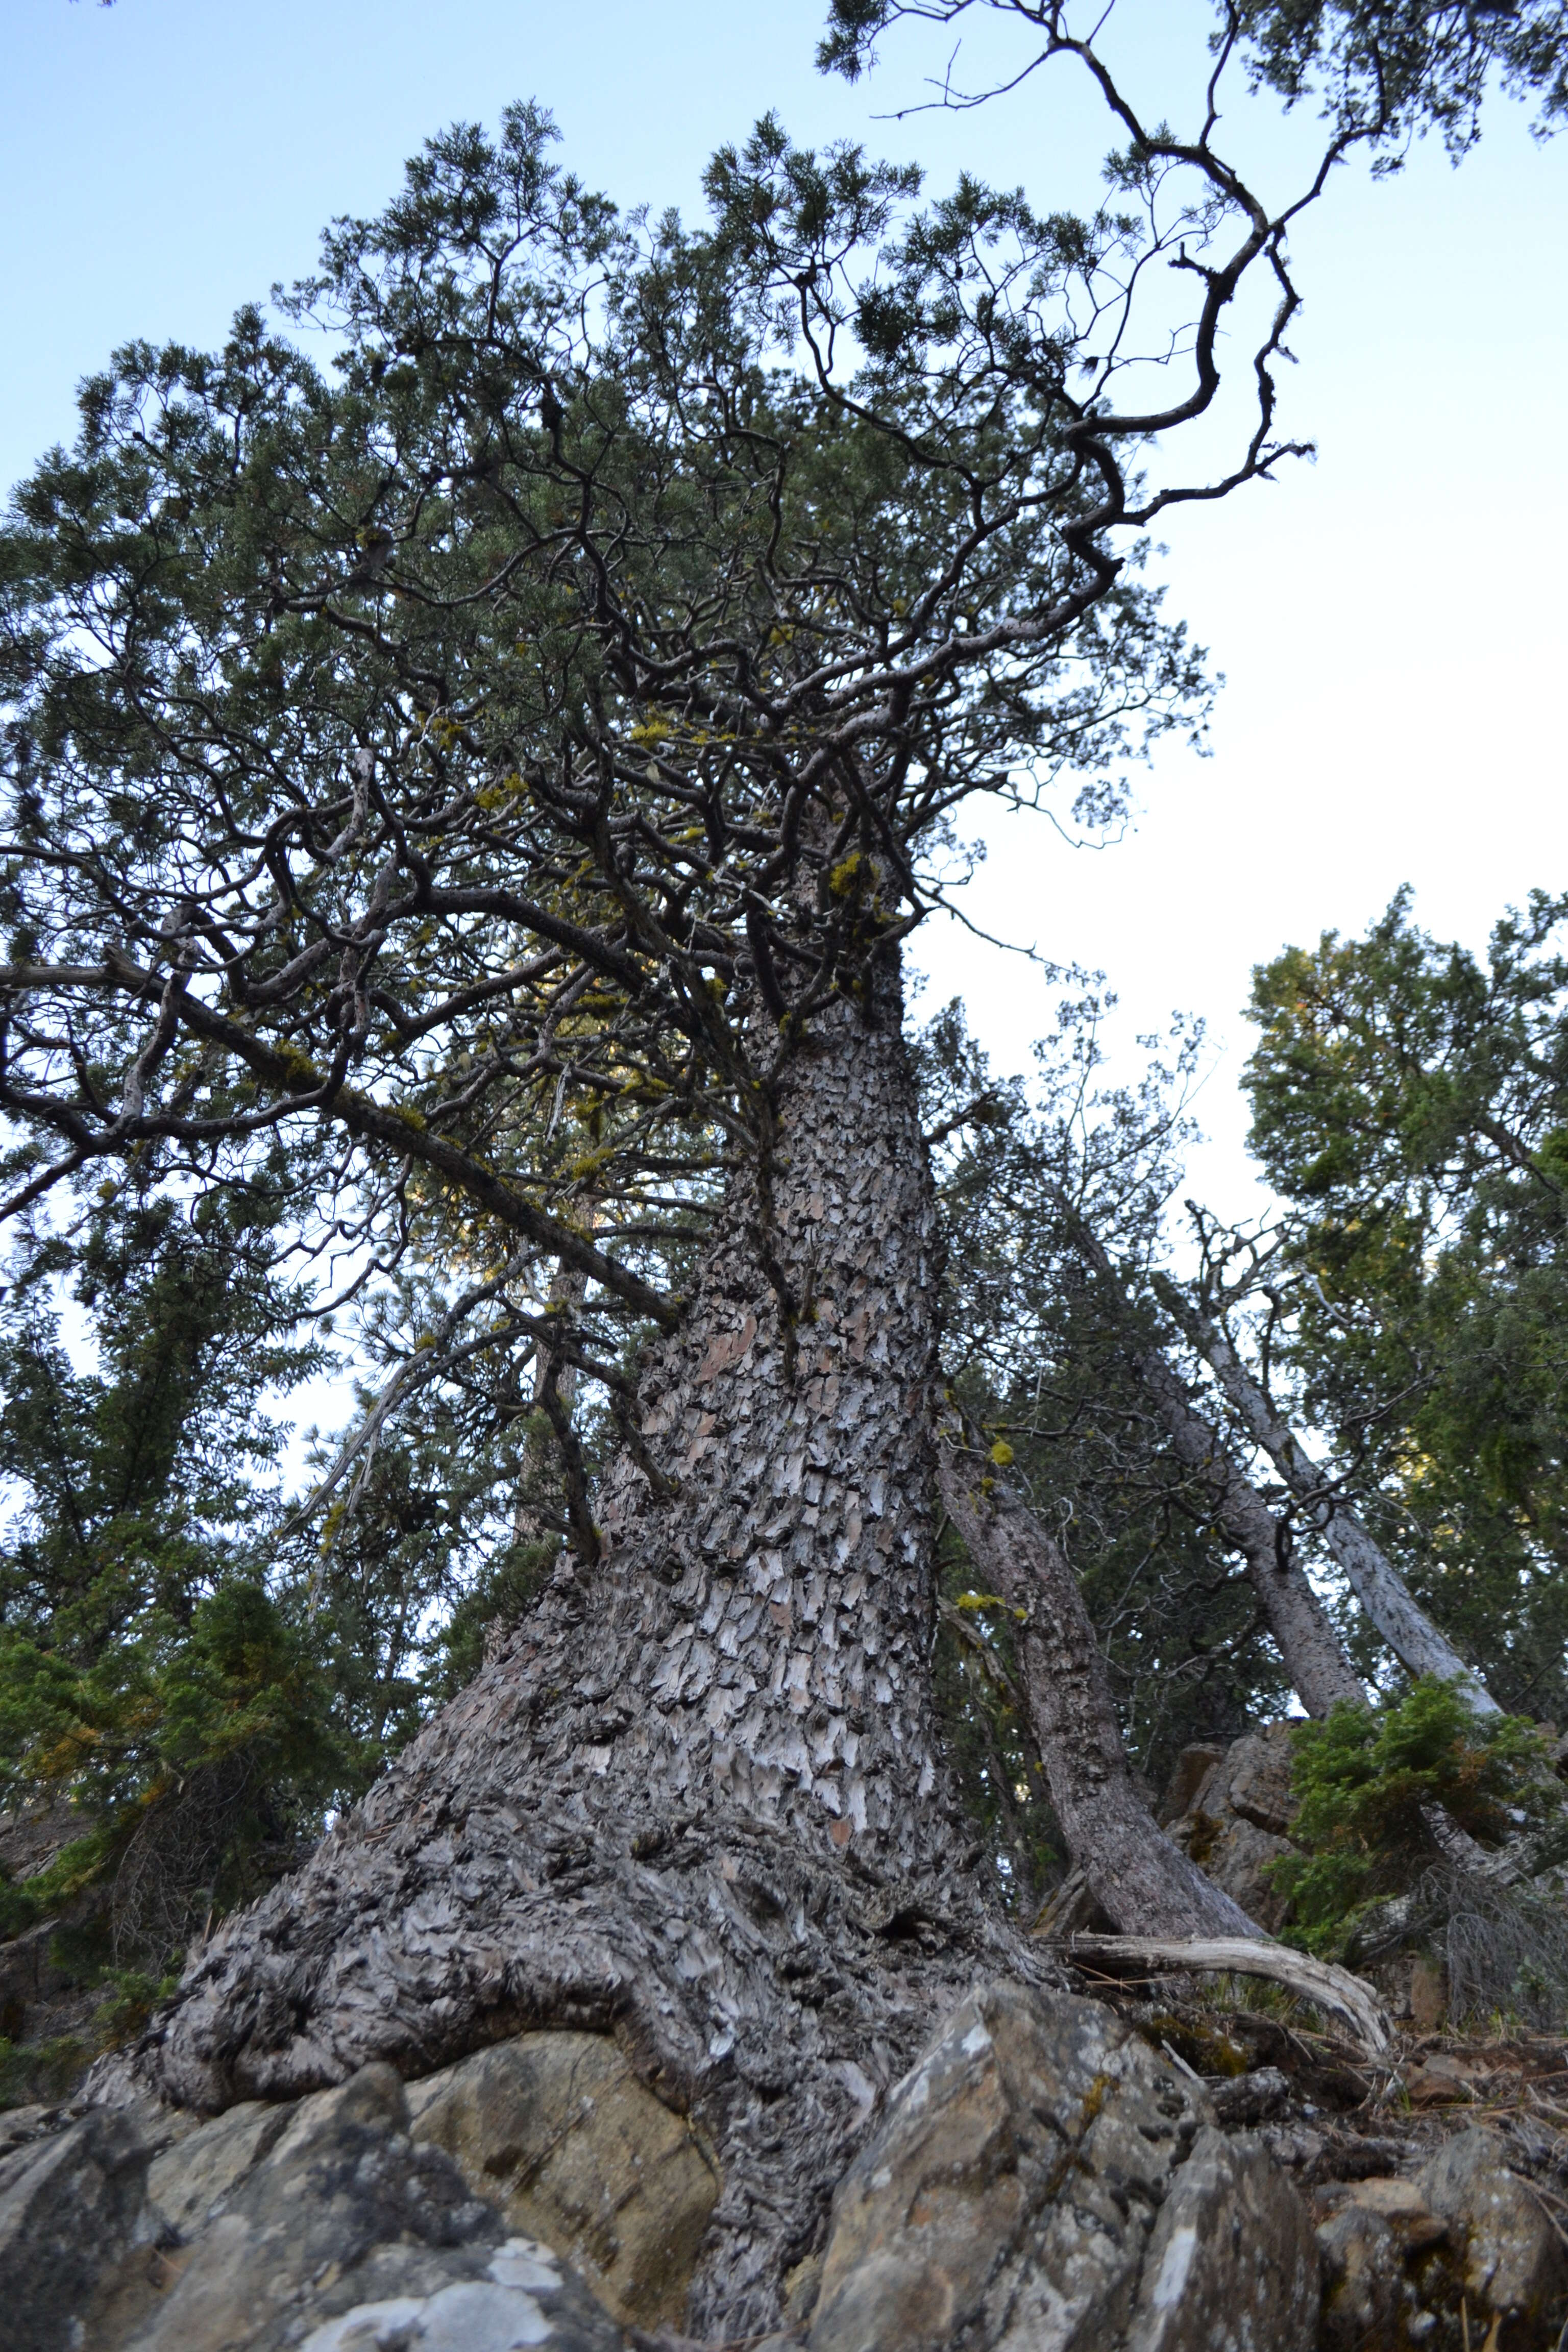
[{"x": 1399, "y": 2161}]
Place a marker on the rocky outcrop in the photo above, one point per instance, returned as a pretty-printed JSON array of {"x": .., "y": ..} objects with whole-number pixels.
[
  {"x": 556, "y": 2129},
  {"x": 70, "y": 2209},
  {"x": 1050, "y": 2176},
  {"x": 1455, "y": 2250},
  {"x": 1044, "y": 2179},
  {"x": 1230, "y": 1808},
  {"x": 1463, "y": 2252},
  {"x": 1435, "y": 2232},
  {"x": 319, "y": 2224},
  {"x": 1510, "y": 2259},
  {"x": 1373, "y": 2297}
]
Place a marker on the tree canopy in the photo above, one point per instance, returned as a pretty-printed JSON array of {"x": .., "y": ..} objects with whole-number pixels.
[
  {"x": 459, "y": 739},
  {"x": 1409, "y": 1102}
]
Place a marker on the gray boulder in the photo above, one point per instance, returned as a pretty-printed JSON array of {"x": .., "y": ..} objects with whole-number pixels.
[
  {"x": 1510, "y": 2257},
  {"x": 323, "y": 2224},
  {"x": 557, "y": 2130},
  {"x": 1367, "y": 2297},
  {"x": 1044, "y": 2180},
  {"x": 70, "y": 2206},
  {"x": 188, "y": 2184},
  {"x": 319, "y": 2223},
  {"x": 1234, "y": 1812}
]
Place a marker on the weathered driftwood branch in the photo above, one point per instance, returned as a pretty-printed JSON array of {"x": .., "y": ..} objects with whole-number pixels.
[{"x": 1349, "y": 1998}]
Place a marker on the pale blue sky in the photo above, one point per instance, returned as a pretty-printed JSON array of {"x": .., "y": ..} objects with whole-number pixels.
[{"x": 1391, "y": 619}]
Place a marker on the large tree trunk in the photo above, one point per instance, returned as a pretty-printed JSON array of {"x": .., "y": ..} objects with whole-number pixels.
[
  {"x": 1366, "y": 1567},
  {"x": 698, "y": 1797},
  {"x": 1136, "y": 1875}
]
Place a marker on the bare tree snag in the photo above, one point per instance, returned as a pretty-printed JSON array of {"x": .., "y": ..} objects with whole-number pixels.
[
  {"x": 1135, "y": 1872},
  {"x": 1314, "y": 1656},
  {"x": 1320, "y": 1981}
]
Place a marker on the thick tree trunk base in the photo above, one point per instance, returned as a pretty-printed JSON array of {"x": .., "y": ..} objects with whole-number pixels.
[
  {"x": 771, "y": 1994},
  {"x": 698, "y": 1800}
]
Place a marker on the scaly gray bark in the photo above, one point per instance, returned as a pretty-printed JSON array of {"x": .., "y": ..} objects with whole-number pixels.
[
  {"x": 1142, "y": 1881},
  {"x": 1370, "y": 1573},
  {"x": 1313, "y": 1654},
  {"x": 698, "y": 1799}
]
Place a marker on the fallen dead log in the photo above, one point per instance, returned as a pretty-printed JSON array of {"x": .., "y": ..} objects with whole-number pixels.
[{"x": 1349, "y": 1998}]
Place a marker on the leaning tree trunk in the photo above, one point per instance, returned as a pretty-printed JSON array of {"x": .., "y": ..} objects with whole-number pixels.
[
  {"x": 1313, "y": 1655},
  {"x": 698, "y": 1799},
  {"x": 1372, "y": 1576},
  {"x": 1315, "y": 1658},
  {"x": 1134, "y": 1872}
]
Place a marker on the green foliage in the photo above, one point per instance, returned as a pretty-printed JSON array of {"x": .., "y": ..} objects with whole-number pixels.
[
  {"x": 1408, "y": 65},
  {"x": 181, "y": 1661},
  {"x": 41, "y": 2071},
  {"x": 601, "y": 659},
  {"x": 148, "y": 1673},
  {"x": 990, "y": 1744},
  {"x": 1368, "y": 1777},
  {"x": 1389, "y": 70},
  {"x": 47, "y": 2069},
  {"x": 1410, "y": 1106},
  {"x": 502, "y": 1594}
]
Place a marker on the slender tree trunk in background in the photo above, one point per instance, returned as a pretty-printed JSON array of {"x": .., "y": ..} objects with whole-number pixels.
[
  {"x": 1303, "y": 1631},
  {"x": 1313, "y": 1654},
  {"x": 1452, "y": 1840},
  {"x": 1134, "y": 1872},
  {"x": 539, "y": 1477},
  {"x": 698, "y": 1799},
  {"x": 1372, "y": 1576}
]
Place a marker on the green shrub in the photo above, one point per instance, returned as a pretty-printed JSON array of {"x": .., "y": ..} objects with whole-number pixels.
[
  {"x": 186, "y": 1747},
  {"x": 41, "y": 2072},
  {"x": 1367, "y": 1781}
]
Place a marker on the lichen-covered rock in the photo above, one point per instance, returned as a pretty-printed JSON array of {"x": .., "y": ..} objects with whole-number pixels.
[
  {"x": 68, "y": 2209},
  {"x": 1254, "y": 1780},
  {"x": 187, "y": 2185},
  {"x": 1191, "y": 1769},
  {"x": 321, "y": 2223},
  {"x": 20, "y": 2125},
  {"x": 1044, "y": 2179},
  {"x": 525, "y": 2297},
  {"x": 1512, "y": 2259},
  {"x": 1367, "y": 2296},
  {"x": 1231, "y": 2265},
  {"x": 558, "y": 2131},
  {"x": 1401, "y": 2204},
  {"x": 1252, "y": 2098}
]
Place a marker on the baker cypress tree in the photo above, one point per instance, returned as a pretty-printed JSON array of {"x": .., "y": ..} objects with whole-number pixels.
[{"x": 513, "y": 756}]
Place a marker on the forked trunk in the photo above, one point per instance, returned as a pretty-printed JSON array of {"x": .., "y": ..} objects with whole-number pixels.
[{"x": 698, "y": 1799}]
